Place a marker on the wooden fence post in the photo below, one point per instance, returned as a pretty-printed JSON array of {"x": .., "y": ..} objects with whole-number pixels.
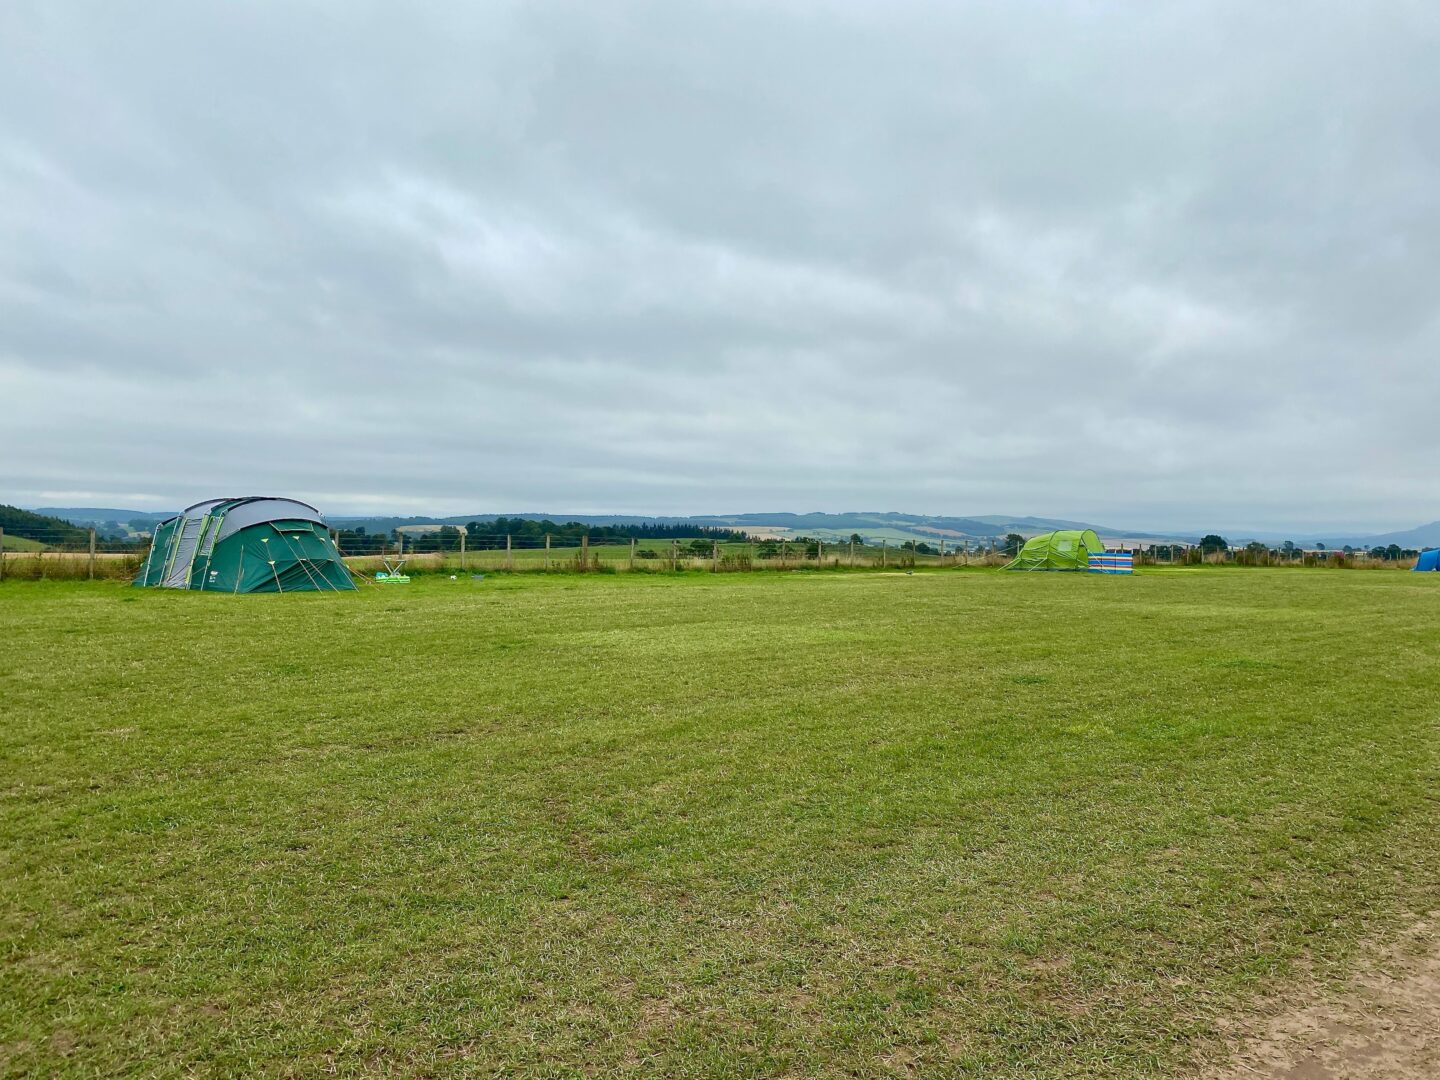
[
  {"x": 547, "y": 551},
  {"x": 852, "y": 552},
  {"x": 714, "y": 555},
  {"x": 884, "y": 553},
  {"x": 462, "y": 551},
  {"x": 509, "y": 554},
  {"x": 819, "y": 553},
  {"x": 632, "y": 553},
  {"x": 584, "y": 551},
  {"x": 92, "y": 554}
]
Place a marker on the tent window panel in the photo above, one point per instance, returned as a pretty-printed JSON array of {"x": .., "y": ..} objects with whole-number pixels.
[{"x": 212, "y": 530}]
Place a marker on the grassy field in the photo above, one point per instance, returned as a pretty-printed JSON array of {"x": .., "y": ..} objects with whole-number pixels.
[{"x": 728, "y": 825}]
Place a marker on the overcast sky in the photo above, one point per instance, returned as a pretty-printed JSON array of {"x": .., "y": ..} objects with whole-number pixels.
[{"x": 1171, "y": 265}]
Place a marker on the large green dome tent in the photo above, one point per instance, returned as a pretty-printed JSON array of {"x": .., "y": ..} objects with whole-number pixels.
[
  {"x": 1069, "y": 549},
  {"x": 249, "y": 545}
]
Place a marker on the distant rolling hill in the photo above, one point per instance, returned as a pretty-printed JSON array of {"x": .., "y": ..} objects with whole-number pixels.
[
  {"x": 1420, "y": 537},
  {"x": 898, "y": 526},
  {"x": 872, "y": 526},
  {"x": 37, "y": 530},
  {"x": 95, "y": 515}
]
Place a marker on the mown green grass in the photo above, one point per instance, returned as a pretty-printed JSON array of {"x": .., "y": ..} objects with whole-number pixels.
[{"x": 707, "y": 825}]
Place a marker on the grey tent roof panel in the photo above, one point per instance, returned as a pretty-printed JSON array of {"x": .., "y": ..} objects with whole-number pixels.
[
  {"x": 240, "y": 513},
  {"x": 201, "y": 507},
  {"x": 257, "y": 510}
]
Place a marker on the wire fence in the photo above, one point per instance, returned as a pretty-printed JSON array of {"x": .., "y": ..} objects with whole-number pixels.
[
  {"x": 70, "y": 553},
  {"x": 89, "y": 553},
  {"x": 511, "y": 552}
]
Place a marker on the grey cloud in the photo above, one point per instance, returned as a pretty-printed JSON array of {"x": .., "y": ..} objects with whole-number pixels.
[{"x": 1161, "y": 265}]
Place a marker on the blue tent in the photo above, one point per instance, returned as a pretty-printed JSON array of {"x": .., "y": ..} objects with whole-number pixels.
[{"x": 1429, "y": 560}]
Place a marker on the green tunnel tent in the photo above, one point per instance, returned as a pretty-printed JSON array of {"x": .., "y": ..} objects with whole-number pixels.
[
  {"x": 1069, "y": 549},
  {"x": 249, "y": 545}
]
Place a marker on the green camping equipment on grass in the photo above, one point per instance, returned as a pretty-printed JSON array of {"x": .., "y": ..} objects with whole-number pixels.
[
  {"x": 249, "y": 545},
  {"x": 1069, "y": 549}
]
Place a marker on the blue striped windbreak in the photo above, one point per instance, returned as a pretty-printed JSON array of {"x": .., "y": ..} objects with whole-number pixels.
[{"x": 1112, "y": 562}]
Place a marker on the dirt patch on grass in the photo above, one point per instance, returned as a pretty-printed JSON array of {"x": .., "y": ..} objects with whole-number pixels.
[{"x": 1385, "y": 1024}]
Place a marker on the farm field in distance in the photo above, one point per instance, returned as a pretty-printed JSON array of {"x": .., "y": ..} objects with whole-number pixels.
[{"x": 703, "y": 825}]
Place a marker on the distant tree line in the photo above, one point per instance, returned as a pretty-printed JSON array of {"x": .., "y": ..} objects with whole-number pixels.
[
  {"x": 41, "y": 527},
  {"x": 58, "y": 533},
  {"x": 1257, "y": 553},
  {"x": 526, "y": 532},
  {"x": 574, "y": 530}
]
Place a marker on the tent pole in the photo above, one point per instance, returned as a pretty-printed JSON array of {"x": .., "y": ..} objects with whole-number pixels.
[
  {"x": 145, "y": 578},
  {"x": 300, "y": 559},
  {"x": 172, "y": 548}
]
